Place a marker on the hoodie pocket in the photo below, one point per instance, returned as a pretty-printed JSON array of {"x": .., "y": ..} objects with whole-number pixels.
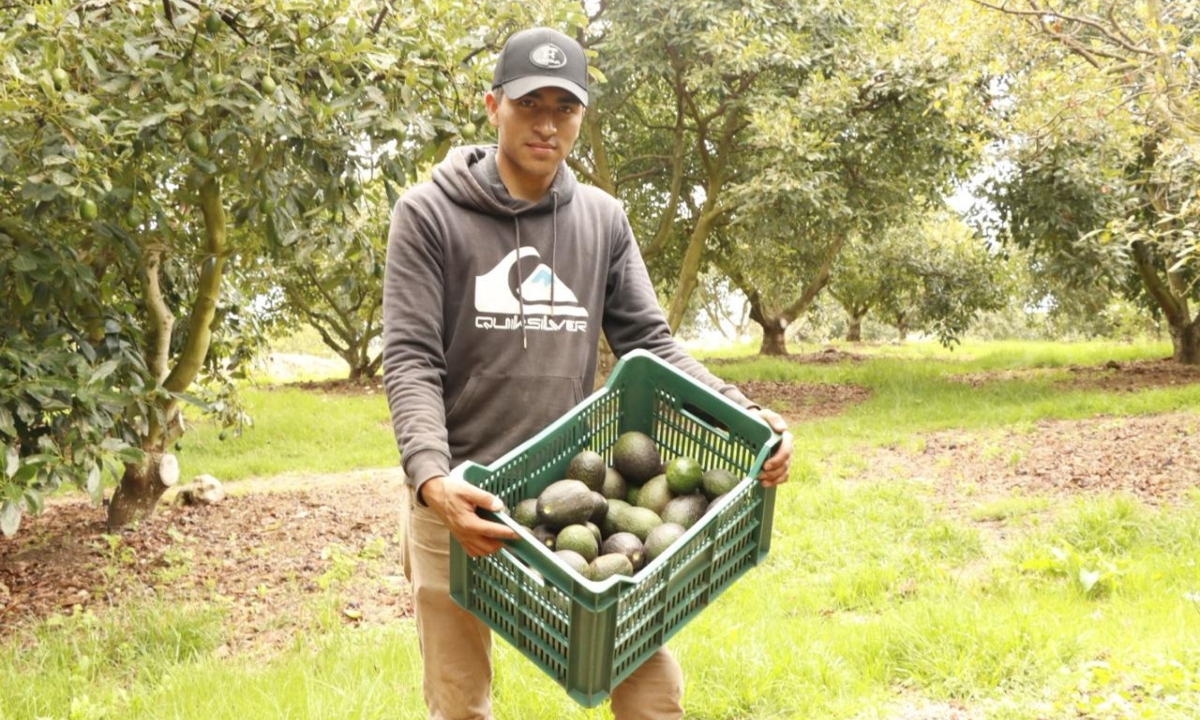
[{"x": 495, "y": 413}]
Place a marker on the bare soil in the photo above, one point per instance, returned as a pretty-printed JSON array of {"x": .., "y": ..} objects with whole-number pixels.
[
  {"x": 278, "y": 547},
  {"x": 269, "y": 553}
]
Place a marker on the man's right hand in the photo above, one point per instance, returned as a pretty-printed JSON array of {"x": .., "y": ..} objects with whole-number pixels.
[{"x": 455, "y": 501}]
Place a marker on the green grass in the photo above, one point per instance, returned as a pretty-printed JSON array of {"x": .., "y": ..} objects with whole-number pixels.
[
  {"x": 875, "y": 599},
  {"x": 293, "y": 431},
  {"x": 923, "y": 390}
]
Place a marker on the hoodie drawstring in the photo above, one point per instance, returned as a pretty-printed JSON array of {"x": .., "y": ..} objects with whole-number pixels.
[
  {"x": 520, "y": 294},
  {"x": 553, "y": 267},
  {"x": 554, "y": 252}
]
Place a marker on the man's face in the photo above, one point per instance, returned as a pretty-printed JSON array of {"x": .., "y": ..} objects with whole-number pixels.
[{"x": 536, "y": 132}]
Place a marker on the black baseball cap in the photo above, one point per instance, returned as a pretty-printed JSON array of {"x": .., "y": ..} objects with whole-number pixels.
[{"x": 538, "y": 58}]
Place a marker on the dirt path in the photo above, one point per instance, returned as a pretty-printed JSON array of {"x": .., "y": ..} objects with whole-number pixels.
[{"x": 267, "y": 554}]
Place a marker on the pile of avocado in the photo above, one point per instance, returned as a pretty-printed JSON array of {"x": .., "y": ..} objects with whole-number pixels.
[{"x": 612, "y": 520}]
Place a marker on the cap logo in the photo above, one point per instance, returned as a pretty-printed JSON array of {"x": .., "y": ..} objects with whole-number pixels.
[{"x": 548, "y": 56}]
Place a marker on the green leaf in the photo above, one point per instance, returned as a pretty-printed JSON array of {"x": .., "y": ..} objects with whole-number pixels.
[
  {"x": 10, "y": 518},
  {"x": 205, "y": 165},
  {"x": 34, "y": 502},
  {"x": 23, "y": 263},
  {"x": 93, "y": 486},
  {"x": 12, "y": 460},
  {"x": 99, "y": 374}
]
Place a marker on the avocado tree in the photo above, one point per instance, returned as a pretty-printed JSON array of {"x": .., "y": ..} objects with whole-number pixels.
[
  {"x": 933, "y": 274},
  {"x": 669, "y": 129},
  {"x": 148, "y": 152},
  {"x": 757, "y": 140},
  {"x": 844, "y": 158},
  {"x": 1099, "y": 173},
  {"x": 336, "y": 287}
]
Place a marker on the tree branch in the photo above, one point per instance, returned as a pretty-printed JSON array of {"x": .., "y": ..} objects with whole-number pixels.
[
  {"x": 160, "y": 321},
  {"x": 792, "y": 311},
  {"x": 667, "y": 221},
  {"x": 208, "y": 290},
  {"x": 383, "y": 13},
  {"x": 1038, "y": 13}
]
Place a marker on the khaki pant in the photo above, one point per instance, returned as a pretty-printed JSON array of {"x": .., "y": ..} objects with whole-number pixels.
[{"x": 456, "y": 647}]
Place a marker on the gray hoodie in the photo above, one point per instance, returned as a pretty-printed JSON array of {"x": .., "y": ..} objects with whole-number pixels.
[{"x": 493, "y": 309}]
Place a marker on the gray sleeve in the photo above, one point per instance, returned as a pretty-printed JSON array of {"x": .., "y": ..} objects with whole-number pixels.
[
  {"x": 633, "y": 318},
  {"x": 414, "y": 362}
]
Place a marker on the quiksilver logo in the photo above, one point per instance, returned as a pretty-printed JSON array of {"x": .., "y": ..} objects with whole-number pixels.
[
  {"x": 508, "y": 298},
  {"x": 548, "y": 56}
]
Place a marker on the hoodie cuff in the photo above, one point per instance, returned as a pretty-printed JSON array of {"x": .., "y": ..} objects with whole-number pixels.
[
  {"x": 424, "y": 465},
  {"x": 736, "y": 396}
]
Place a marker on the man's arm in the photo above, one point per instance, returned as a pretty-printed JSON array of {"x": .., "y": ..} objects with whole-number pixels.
[
  {"x": 634, "y": 319},
  {"x": 413, "y": 367}
]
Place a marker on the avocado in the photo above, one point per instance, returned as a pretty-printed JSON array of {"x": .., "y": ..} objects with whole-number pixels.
[
  {"x": 580, "y": 539},
  {"x": 713, "y": 503},
  {"x": 655, "y": 494},
  {"x": 599, "y": 508},
  {"x": 628, "y": 545},
  {"x": 636, "y": 457},
  {"x": 545, "y": 535},
  {"x": 605, "y": 566},
  {"x": 588, "y": 467},
  {"x": 717, "y": 482},
  {"x": 525, "y": 513},
  {"x": 684, "y": 475},
  {"x": 608, "y": 525},
  {"x": 661, "y": 537},
  {"x": 685, "y": 510},
  {"x": 614, "y": 485},
  {"x": 563, "y": 503},
  {"x": 637, "y": 520},
  {"x": 576, "y": 562}
]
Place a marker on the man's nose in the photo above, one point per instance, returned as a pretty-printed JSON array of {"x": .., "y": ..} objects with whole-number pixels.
[{"x": 545, "y": 124}]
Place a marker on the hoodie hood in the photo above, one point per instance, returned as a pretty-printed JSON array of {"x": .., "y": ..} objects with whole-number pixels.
[{"x": 470, "y": 177}]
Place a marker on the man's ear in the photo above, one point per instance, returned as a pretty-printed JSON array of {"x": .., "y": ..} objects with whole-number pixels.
[{"x": 493, "y": 107}]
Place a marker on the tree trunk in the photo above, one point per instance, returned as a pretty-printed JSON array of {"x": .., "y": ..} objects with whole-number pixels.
[
  {"x": 774, "y": 341},
  {"x": 141, "y": 488},
  {"x": 1186, "y": 343},
  {"x": 689, "y": 270},
  {"x": 854, "y": 332}
]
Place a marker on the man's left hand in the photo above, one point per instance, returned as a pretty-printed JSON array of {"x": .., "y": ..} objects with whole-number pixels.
[{"x": 775, "y": 469}]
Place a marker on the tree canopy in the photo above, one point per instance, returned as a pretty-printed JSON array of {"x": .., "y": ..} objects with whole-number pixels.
[
  {"x": 152, "y": 151},
  {"x": 1098, "y": 163}
]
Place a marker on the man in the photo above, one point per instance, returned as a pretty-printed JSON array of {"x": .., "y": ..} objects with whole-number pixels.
[{"x": 501, "y": 274}]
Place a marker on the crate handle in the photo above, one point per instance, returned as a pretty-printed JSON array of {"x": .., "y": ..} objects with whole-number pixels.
[{"x": 705, "y": 418}]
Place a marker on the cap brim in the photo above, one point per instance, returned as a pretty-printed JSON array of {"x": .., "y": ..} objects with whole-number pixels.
[{"x": 525, "y": 85}]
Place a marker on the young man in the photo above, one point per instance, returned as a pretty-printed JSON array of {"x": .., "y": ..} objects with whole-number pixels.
[{"x": 501, "y": 274}]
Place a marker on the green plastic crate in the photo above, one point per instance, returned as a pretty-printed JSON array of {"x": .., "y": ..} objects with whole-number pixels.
[{"x": 589, "y": 636}]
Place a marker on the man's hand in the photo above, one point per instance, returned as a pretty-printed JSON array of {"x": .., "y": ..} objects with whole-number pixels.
[
  {"x": 775, "y": 469},
  {"x": 455, "y": 501}
]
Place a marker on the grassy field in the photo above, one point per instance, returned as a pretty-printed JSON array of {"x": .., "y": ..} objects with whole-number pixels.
[{"x": 877, "y": 600}]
